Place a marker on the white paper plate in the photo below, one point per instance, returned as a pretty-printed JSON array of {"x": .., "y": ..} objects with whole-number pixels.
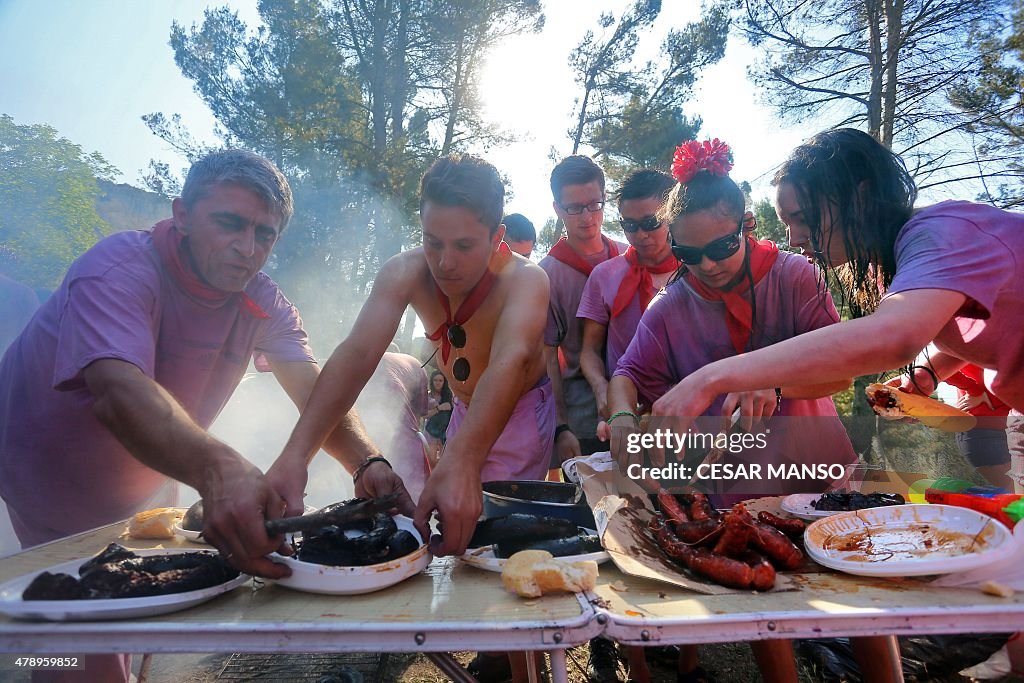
[
  {"x": 802, "y": 505},
  {"x": 321, "y": 578},
  {"x": 197, "y": 536},
  {"x": 907, "y": 540},
  {"x": 12, "y": 605},
  {"x": 483, "y": 557}
]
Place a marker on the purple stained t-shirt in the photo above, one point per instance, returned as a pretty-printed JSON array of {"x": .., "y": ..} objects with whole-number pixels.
[
  {"x": 682, "y": 332},
  {"x": 62, "y": 470},
  {"x": 977, "y": 250},
  {"x": 565, "y": 331},
  {"x": 596, "y": 304}
]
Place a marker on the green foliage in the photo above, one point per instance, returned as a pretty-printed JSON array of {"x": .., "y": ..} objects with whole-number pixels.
[
  {"x": 631, "y": 114},
  {"x": 353, "y": 101},
  {"x": 886, "y": 66},
  {"x": 48, "y": 190},
  {"x": 768, "y": 224},
  {"x": 995, "y": 97}
]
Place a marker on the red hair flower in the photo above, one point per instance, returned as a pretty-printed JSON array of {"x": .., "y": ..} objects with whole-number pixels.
[{"x": 692, "y": 157}]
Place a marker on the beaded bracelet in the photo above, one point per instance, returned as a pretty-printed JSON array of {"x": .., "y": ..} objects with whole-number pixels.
[
  {"x": 633, "y": 415},
  {"x": 366, "y": 463}
]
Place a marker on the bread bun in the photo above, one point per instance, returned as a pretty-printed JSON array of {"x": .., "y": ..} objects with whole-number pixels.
[
  {"x": 893, "y": 404},
  {"x": 531, "y": 573},
  {"x": 155, "y": 523}
]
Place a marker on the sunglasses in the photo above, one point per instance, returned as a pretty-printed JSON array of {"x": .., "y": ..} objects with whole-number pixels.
[
  {"x": 457, "y": 338},
  {"x": 647, "y": 224},
  {"x": 716, "y": 250}
]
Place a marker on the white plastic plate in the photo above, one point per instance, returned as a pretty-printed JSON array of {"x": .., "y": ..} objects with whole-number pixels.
[
  {"x": 483, "y": 557},
  {"x": 802, "y": 505},
  {"x": 197, "y": 536},
  {"x": 321, "y": 578},
  {"x": 907, "y": 540},
  {"x": 12, "y": 605}
]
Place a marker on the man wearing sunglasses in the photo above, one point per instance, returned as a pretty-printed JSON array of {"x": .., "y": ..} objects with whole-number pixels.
[
  {"x": 485, "y": 309},
  {"x": 619, "y": 290},
  {"x": 577, "y": 186}
]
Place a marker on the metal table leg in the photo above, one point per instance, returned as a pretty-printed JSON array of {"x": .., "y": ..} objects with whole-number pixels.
[
  {"x": 559, "y": 674},
  {"x": 450, "y": 667}
]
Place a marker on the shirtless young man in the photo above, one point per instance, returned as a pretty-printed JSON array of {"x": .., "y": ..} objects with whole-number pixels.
[{"x": 489, "y": 343}]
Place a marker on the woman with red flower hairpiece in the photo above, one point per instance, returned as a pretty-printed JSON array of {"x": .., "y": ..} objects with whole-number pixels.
[{"x": 732, "y": 295}]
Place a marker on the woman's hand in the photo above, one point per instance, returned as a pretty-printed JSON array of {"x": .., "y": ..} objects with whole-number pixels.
[
  {"x": 686, "y": 401},
  {"x": 753, "y": 406}
]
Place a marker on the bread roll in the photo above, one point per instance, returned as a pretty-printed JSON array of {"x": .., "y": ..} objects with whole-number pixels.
[
  {"x": 893, "y": 404},
  {"x": 531, "y": 573},
  {"x": 155, "y": 523}
]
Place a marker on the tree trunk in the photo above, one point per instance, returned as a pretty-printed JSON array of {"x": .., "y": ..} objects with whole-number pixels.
[
  {"x": 894, "y": 36},
  {"x": 456, "y": 95},
  {"x": 583, "y": 115},
  {"x": 873, "y": 15}
]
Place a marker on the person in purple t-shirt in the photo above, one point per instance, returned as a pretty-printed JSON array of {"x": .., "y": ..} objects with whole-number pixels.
[
  {"x": 577, "y": 187},
  {"x": 949, "y": 273},
  {"x": 734, "y": 294},
  {"x": 619, "y": 290},
  {"x": 108, "y": 393}
]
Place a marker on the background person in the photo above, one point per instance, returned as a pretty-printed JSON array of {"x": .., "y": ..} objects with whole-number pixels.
[
  {"x": 520, "y": 235},
  {"x": 439, "y": 414}
]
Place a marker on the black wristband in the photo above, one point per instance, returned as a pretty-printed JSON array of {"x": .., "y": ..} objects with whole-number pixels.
[
  {"x": 561, "y": 428},
  {"x": 366, "y": 463}
]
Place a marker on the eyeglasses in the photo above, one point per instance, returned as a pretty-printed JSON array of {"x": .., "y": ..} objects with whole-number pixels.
[
  {"x": 716, "y": 250},
  {"x": 647, "y": 224},
  {"x": 577, "y": 209},
  {"x": 457, "y": 338}
]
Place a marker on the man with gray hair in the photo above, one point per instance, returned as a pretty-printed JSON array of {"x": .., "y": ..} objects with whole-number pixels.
[{"x": 106, "y": 397}]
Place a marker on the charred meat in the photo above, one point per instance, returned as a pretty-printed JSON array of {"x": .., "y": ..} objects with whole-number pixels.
[
  {"x": 119, "y": 573},
  {"x": 357, "y": 544},
  {"x": 839, "y": 501},
  {"x": 521, "y": 527}
]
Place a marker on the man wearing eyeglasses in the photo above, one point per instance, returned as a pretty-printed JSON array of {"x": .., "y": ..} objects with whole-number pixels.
[
  {"x": 485, "y": 309},
  {"x": 577, "y": 186},
  {"x": 619, "y": 290}
]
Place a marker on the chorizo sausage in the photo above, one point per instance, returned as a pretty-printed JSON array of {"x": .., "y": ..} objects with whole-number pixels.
[
  {"x": 671, "y": 508},
  {"x": 790, "y": 527},
  {"x": 763, "y": 571},
  {"x": 724, "y": 571},
  {"x": 735, "y": 537},
  {"x": 703, "y": 531},
  {"x": 776, "y": 546}
]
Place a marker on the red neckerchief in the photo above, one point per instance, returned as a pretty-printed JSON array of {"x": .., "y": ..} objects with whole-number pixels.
[
  {"x": 638, "y": 280},
  {"x": 970, "y": 380},
  {"x": 468, "y": 307},
  {"x": 567, "y": 255},
  {"x": 168, "y": 242},
  {"x": 739, "y": 316}
]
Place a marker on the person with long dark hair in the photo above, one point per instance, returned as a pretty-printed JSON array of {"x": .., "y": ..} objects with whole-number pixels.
[
  {"x": 439, "y": 414},
  {"x": 735, "y": 294},
  {"x": 950, "y": 273}
]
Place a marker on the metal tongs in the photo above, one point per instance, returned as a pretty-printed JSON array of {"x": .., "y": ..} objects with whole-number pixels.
[{"x": 336, "y": 516}]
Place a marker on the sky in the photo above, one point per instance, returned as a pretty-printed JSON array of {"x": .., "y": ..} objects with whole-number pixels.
[{"x": 93, "y": 69}]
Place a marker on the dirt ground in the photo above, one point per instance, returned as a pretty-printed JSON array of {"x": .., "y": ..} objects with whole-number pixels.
[{"x": 728, "y": 663}]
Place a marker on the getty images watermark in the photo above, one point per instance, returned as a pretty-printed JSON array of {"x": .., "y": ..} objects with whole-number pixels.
[{"x": 735, "y": 442}]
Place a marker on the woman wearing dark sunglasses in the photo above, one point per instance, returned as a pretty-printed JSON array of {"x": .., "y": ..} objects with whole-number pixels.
[{"x": 733, "y": 294}]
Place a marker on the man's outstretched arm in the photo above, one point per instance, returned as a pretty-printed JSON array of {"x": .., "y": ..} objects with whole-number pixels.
[
  {"x": 158, "y": 432},
  {"x": 348, "y": 444}
]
